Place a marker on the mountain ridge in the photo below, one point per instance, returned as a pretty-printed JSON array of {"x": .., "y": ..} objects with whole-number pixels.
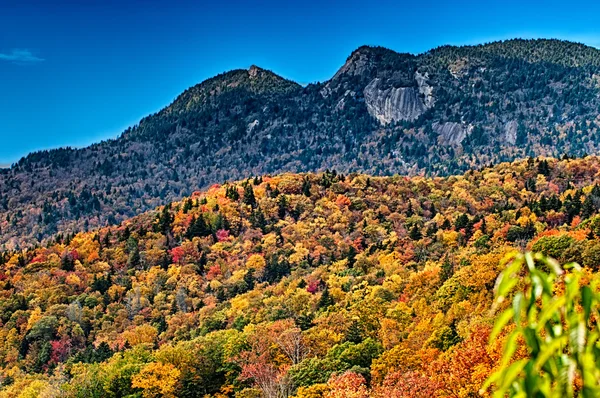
[{"x": 437, "y": 113}]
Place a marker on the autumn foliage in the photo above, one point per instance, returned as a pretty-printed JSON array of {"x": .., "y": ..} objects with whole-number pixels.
[{"x": 313, "y": 285}]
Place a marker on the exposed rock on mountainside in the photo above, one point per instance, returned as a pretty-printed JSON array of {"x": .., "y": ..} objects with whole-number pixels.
[
  {"x": 425, "y": 89},
  {"x": 451, "y": 133},
  {"x": 510, "y": 132},
  {"x": 393, "y": 104},
  {"x": 441, "y": 112}
]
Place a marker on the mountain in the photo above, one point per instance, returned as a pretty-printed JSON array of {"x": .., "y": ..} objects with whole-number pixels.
[
  {"x": 267, "y": 287},
  {"x": 442, "y": 112}
]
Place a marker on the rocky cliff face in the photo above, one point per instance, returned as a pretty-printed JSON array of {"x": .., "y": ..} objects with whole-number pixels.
[
  {"x": 391, "y": 104},
  {"x": 450, "y": 133},
  {"x": 510, "y": 132},
  {"x": 425, "y": 89}
]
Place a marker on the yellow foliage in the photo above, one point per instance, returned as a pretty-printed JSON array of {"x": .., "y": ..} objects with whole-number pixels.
[
  {"x": 314, "y": 391},
  {"x": 238, "y": 304},
  {"x": 143, "y": 334},
  {"x": 34, "y": 317},
  {"x": 389, "y": 263},
  {"x": 72, "y": 279},
  {"x": 257, "y": 262},
  {"x": 157, "y": 380},
  {"x": 300, "y": 253},
  {"x": 321, "y": 340},
  {"x": 390, "y": 333},
  {"x": 116, "y": 291}
]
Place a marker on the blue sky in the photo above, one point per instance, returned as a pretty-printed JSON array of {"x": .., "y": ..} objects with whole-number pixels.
[{"x": 75, "y": 72}]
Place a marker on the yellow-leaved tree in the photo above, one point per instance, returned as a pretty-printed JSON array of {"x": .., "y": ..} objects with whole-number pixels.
[{"x": 157, "y": 380}]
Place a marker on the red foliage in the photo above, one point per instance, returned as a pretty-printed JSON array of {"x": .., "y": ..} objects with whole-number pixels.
[
  {"x": 347, "y": 385},
  {"x": 40, "y": 258},
  {"x": 358, "y": 244},
  {"x": 406, "y": 385},
  {"x": 222, "y": 235},
  {"x": 313, "y": 287},
  {"x": 177, "y": 254},
  {"x": 61, "y": 349},
  {"x": 213, "y": 272},
  {"x": 342, "y": 201}
]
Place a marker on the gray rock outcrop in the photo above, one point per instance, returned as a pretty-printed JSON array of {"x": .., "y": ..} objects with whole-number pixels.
[
  {"x": 510, "y": 132},
  {"x": 451, "y": 133},
  {"x": 391, "y": 104}
]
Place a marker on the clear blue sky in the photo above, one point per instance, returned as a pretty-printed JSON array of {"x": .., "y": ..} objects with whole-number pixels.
[{"x": 75, "y": 72}]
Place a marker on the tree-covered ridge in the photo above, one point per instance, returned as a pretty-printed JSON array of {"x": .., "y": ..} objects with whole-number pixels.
[
  {"x": 560, "y": 52},
  {"x": 464, "y": 107},
  {"x": 313, "y": 285}
]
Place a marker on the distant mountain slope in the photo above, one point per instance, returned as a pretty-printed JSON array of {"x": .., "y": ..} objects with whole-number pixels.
[{"x": 441, "y": 112}]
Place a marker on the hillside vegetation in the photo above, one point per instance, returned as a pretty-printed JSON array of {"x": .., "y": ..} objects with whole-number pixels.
[
  {"x": 306, "y": 285},
  {"x": 383, "y": 113}
]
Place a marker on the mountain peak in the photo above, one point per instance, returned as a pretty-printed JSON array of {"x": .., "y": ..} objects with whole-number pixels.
[
  {"x": 256, "y": 80},
  {"x": 254, "y": 70},
  {"x": 366, "y": 58}
]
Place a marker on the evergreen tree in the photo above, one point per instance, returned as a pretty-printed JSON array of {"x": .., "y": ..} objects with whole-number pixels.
[
  {"x": 447, "y": 270},
  {"x": 351, "y": 256},
  {"x": 197, "y": 228},
  {"x": 326, "y": 300},
  {"x": 282, "y": 204},
  {"x": 125, "y": 234},
  {"x": 249, "y": 198},
  {"x": 258, "y": 220},
  {"x": 249, "y": 279},
  {"x": 134, "y": 253},
  {"x": 544, "y": 168},
  {"x": 432, "y": 210},
  {"x": 165, "y": 220},
  {"x": 521, "y": 138},
  {"x": 409, "y": 210},
  {"x": 587, "y": 210},
  {"x": 306, "y": 187},
  {"x": 67, "y": 263},
  {"x": 166, "y": 260},
  {"x": 232, "y": 193},
  {"x": 354, "y": 333},
  {"x": 415, "y": 233},
  {"x": 187, "y": 206},
  {"x": 462, "y": 221}
]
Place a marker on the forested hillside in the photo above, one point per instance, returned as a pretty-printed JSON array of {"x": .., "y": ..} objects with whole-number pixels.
[
  {"x": 307, "y": 285},
  {"x": 438, "y": 113}
]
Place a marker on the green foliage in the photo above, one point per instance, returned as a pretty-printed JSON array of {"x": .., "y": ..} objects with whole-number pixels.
[
  {"x": 553, "y": 246},
  {"x": 357, "y": 355},
  {"x": 555, "y": 315},
  {"x": 315, "y": 370},
  {"x": 444, "y": 338}
]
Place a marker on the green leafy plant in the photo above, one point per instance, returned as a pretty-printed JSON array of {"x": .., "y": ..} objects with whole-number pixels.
[{"x": 555, "y": 315}]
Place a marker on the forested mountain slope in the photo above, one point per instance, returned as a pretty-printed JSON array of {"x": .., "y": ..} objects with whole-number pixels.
[
  {"x": 271, "y": 285},
  {"x": 437, "y": 113}
]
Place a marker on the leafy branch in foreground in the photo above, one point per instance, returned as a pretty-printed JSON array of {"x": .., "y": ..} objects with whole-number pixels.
[{"x": 554, "y": 313}]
